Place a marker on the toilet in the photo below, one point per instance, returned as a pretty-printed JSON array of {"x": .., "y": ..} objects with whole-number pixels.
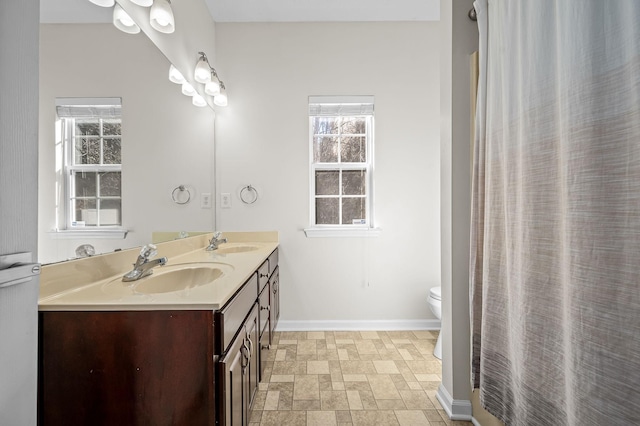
[{"x": 435, "y": 303}]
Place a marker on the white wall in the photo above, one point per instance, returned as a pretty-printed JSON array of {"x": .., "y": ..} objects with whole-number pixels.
[
  {"x": 262, "y": 140},
  {"x": 166, "y": 140}
]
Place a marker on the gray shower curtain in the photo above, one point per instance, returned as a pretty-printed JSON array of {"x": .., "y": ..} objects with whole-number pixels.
[{"x": 555, "y": 253}]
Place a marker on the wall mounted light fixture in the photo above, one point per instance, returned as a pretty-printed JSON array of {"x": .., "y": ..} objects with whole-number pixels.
[
  {"x": 188, "y": 89},
  {"x": 206, "y": 74},
  {"x": 123, "y": 21},
  {"x": 221, "y": 98},
  {"x": 198, "y": 101},
  {"x": 213, "y": 86},
  {"x": 202, "y": 73},
  {"x": 161, "y": 17},
  {"x": 176, "y": 76}
]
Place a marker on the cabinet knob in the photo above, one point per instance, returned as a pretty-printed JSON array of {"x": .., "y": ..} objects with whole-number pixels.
[
  {"x": 265, "y": 308},
  {"x": 264, "y": 275},
  {"x": 266, "y": 346}
]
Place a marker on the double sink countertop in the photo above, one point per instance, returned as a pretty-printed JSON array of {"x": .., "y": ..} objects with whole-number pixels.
[{"x": 192, "y": 279}]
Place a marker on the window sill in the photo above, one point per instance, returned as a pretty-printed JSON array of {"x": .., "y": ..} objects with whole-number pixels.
[
  {"x": 61, "y": 234},
  {"x": 342, "y": 232}
]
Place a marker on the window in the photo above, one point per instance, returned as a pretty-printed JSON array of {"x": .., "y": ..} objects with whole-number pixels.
[
  {"x": 341, "y": 151},
  {"x": 92, "y": 170}
]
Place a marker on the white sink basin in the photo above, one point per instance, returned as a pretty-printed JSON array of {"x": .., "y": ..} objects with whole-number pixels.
[
  {"x": 168, "y": 279},
  {"x": 224, "y": 249}
]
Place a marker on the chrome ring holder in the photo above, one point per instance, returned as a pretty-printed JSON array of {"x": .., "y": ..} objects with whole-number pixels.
[
  {"x": 245, "y": 194},
  {"x": 179, "y": 190}
]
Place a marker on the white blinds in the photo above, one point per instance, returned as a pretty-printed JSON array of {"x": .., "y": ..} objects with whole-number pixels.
[
  {"x": 340, "y": 105},
  {"x": 89, "y": 107}
]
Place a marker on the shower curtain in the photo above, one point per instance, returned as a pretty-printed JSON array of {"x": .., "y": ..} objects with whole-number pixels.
[{"x": 555, "y": 243}]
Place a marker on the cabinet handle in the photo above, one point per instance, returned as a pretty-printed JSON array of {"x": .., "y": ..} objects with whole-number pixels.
[
  {"x": 264, "y": 275},
  {"x": 251, "y": 348},
  {"x": 265, "y": 308},
  {"x": 266, "y": 346},
  {"x": 245, "y": 360}
]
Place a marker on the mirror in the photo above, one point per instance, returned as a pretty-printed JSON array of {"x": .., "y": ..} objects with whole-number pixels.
[{"x": 166, "y": 141}]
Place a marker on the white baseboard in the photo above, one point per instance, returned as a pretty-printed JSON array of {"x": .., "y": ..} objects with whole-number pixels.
[
  {"x": 456, "y": 409},
  {"x": 358, "y": 325}
]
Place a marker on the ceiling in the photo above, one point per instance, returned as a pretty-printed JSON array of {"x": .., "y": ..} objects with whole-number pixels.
[{"x": 83, "y": 11}]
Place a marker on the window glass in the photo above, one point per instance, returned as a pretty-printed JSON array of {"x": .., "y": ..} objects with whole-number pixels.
[
  {"x": 341, "y": 164},
  {"x": 93, "y": 163}
]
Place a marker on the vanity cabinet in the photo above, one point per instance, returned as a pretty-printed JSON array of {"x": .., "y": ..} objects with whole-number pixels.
[
  {"x": 157, "y": 367},
  {"x": 238, "y": 374},
  {"x": 126, "y": 368}
]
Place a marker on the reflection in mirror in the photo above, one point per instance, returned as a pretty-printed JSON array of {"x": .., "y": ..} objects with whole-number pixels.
[
  {"x": 165, "y": 142},
  {"x": 91, "y": 164}
]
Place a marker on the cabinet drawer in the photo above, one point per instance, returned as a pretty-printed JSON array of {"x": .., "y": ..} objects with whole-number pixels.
[
  {"x": 231, "y": 317},
  {"x": 273, "y": 261},
  {"x": 263, "y": 275},
  {"x": 264, "y": 307}
]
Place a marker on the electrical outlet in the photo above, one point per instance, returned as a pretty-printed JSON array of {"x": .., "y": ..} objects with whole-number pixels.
[
  {"x": 225, "y": 200},
  {"x": 205, "y": 200}
]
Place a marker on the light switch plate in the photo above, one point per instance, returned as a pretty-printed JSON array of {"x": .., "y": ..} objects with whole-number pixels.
[
  {"x": 225, "y": 200},
  {"x": 205, "y": 200}
]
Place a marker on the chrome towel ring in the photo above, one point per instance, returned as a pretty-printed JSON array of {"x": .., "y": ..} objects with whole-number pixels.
[
  {"x": 249, "y": 194},
  {"x": 177, "y": 196}
]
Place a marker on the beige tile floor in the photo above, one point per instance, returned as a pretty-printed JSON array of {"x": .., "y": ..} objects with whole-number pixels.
[{"x": 351, "y": 378}]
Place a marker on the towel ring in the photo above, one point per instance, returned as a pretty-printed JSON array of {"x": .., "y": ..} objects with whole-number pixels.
[
  {"x": 245, "y": 194},
  {"x": 180, "y": 188}
]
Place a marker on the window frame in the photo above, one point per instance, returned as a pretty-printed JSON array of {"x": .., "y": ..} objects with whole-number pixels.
[
  {"x": 341, "y": 229},
  {"x": 68, "y": 168}
]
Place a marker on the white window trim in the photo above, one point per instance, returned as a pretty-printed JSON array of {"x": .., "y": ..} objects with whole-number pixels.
[
  {"x": 316, "y": 230},
  {"x": 333, "y": 232},
  {"x": 64, "y": 228},
  {"x": 103, "y": 233}
]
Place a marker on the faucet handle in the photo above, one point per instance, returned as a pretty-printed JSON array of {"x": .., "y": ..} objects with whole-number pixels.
[
  {"x": 217, "y": 235},
  {"x": 148, "y": 251}
]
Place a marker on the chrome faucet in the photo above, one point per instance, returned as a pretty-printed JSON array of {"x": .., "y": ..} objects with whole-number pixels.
[
  {"x": 143, "y": 266},
  {"x": 215, "y": 241}
]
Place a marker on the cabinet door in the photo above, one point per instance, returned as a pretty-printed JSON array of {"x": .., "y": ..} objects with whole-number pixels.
[
  {"x": 275, "y": 298},
  {"x": 265, "y": 346},
  {"x": 126, "y": 368},
  {"x": 264, "y": 306},
  {"x": 234, "y": 384},
  {"x": 253, "y": 365}
]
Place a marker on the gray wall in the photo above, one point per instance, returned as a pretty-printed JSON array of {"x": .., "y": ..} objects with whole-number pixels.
[
  {"x": 458, "y": 39},
  {"x": 19, "y": 22}
]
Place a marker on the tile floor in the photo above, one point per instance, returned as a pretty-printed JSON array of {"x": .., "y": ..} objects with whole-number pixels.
[{"x": 351, "y": 378}]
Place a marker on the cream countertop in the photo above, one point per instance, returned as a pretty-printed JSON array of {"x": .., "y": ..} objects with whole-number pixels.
[{"x": 89, "y": 283}]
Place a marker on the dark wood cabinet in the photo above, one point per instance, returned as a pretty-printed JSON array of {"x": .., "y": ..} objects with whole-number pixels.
[
  {"x": 126, "y": 368},
  {"x": 172, "y": 367},
  {"x": 238, "y": 375}
]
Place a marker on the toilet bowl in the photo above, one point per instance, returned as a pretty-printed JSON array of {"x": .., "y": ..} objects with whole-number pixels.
[{"x": 435, "y": 303}]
